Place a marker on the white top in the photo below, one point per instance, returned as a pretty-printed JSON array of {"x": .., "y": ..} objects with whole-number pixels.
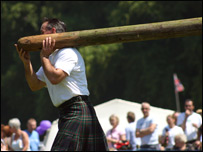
[
  {"x": 172, "y": 133},
  {"x": 152, "y": 138},
  {"x": 190, "y": 131},
  {"x": 71, "y": 62},
  {"x": 17, "y": 145},
  {"x": 130, "y": 135}
]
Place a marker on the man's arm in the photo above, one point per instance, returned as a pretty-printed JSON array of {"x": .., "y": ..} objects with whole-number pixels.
[
  {"x": 183, "y": 125},
  {"x": 31, "y": 77},
  {"x": 54, "y": 75},
  {"x": 32, "y": 80},
  {"x": 147, "y": 131}
]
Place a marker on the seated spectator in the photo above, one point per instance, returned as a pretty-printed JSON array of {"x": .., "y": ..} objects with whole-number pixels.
[
  {"x": 6, "y": 137},
  {"x": 169, "y": 133},
  {"x": 33, "y": 135},
  {"x": 19, "y": 138},
  {"x": 116, "y": 134},
  {"x": 190, "y": 121},
  {"x": 180, "y": 143},
  {"x": 130, "y": 131}
]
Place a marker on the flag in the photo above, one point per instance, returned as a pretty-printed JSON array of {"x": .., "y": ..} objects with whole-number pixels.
[{"x": 178, "y": 85}]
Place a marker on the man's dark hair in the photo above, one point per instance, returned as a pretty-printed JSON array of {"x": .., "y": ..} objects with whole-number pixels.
[
  {"x": 56, "y": 23},
  {"x": 131, "y": 116}
]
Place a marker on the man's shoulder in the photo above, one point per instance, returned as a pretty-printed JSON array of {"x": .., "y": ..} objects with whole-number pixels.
[{"x": 194, "y": 114}]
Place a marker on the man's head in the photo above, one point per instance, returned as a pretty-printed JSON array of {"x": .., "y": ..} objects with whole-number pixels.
[
  {"x": 130, "y": 117},
  {"x": 189, "y": 105},
  {"x": 145, "y": 109},
  {"x": 52, "y": 25},
  {"x": 31, "y": 124}
]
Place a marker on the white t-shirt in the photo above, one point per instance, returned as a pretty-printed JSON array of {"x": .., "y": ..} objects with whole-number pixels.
[
  {"x": 190, "y": 131},
  {"x": 172, "y": 133},
  {"x": 152, "y": 138},
  {"x": 71, "y": 62},
  {"x": 130, "y": 135}
]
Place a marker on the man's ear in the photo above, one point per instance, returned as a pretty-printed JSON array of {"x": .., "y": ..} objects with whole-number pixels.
[{"x": 53, "y": 30}]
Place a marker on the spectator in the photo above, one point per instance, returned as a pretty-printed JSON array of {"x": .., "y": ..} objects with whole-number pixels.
[
  {"x": 175, "y": 116},
  {"x": 180, "y": 143},
  {"x": 170, "y": 131},
  {"x": 6, "y": 136},
  {"x": 116, "y": 134},
  {"x": 199, "y": 111},
  {"x": 190, "y": 121},
  {"x": 19, "y": 138},
  {"x": 198, "y": 142},
  {"x": 147, "y": 129},
  {"x": 33, "y": 134},
  {"x": 130, "y": 131}
]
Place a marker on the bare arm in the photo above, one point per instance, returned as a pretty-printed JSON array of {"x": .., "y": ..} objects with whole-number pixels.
[
  {"x": 147, "y": 131},
  {"x": 25, "y": 141},
  {"x": 31, "y": 77},
  {"x": 54, "y": 75},
  {"x": 183, "y": 125}
]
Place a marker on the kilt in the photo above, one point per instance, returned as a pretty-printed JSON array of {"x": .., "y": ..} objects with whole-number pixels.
[{"x": 79, "y": 128}]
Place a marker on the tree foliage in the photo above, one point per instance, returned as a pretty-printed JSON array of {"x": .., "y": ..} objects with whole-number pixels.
[{"x": 140, "y": 71}]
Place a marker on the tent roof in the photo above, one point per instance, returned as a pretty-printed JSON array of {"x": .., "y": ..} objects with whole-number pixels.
[{"x": 121, "y": 107}]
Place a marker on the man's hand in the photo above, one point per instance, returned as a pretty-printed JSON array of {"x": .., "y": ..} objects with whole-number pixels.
[
  {"x": 187, "y": 113},
  {"x": 24, "y": 55},
  {"x": 48, "y": 47}
]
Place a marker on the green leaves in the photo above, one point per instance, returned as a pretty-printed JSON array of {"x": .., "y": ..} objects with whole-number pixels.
[{"x": 136, "y": 71}]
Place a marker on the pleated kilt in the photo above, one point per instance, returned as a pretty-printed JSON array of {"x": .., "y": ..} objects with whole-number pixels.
[{"x": 79, "y": 128}]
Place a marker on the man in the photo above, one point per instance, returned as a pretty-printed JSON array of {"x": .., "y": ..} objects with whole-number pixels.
[
  {"x": 63, "y": 73},
  {"x": 147, "y": 129},
  {"x": 190, "y": 121},
  {"x": 130, "y": 131},
  {"x": 33, "y": 135}
]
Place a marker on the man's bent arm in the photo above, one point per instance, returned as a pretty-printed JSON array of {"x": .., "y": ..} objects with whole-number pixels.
[
  {"x": 54, "y": 75},
  {"x": 147, "y": 131},
  {"x": 31, "y": 77}
]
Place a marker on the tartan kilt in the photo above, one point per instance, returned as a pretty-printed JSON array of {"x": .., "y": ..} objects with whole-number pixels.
[{"x": 79, "y": 129}]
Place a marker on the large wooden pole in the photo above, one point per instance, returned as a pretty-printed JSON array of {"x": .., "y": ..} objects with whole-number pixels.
[{"x": 131, "y": 33}]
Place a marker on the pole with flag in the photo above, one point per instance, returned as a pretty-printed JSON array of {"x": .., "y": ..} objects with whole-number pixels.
[{"x": 178, "y": 88}]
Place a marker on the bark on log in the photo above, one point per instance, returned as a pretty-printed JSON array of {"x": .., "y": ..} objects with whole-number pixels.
[{"x": 131, "y": 33}]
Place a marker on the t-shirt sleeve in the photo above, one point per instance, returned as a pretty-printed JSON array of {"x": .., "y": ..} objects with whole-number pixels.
[
  {"x": 138, "y": 125},
  {"x": 40, "y": 74},
  {"x": 66, "y": 61},
  {"x": 108, "y": 134},
  {"x": 154, "y": 121},
  {"x": 180, "y": 119}
]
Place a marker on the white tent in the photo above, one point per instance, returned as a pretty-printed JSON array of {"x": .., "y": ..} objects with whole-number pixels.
[{"x": 118, "y": 107}]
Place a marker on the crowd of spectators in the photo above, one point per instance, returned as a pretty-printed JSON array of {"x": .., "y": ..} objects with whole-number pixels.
[
  {"x": 13, "y": 138},
  {"x": 182, "y": 133}
]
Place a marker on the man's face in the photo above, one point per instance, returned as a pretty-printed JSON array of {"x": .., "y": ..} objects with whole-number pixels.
[
  {"x": 189, "y": 106},
  {"x": 31, "y": 126},
  {"x": 44, "y": 29},
  {"x": 145, "y": 110}
]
